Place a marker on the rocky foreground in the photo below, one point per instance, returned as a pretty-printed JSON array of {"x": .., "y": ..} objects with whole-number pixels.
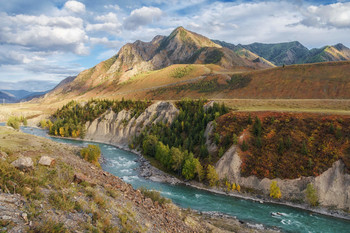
[{"x": 47, "y": 187}]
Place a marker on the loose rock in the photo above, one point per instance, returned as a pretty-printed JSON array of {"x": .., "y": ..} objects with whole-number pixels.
[
  {"x": 47, "y": 161},
  {"x": 23, "y": 163}
]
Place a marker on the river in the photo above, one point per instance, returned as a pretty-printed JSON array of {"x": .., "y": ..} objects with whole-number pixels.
[{"x": 124, "y": 165}]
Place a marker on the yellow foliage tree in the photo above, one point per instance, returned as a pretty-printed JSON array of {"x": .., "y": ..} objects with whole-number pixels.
[
  {"x": 212, "y": 176},
  {"x": 62, "y": 132},
  {"x": 228, "y": 185},
  {"x": 275, "y": 191},
  {"x": 238, "y": 187},
  {"x": 233, "y": 186}
]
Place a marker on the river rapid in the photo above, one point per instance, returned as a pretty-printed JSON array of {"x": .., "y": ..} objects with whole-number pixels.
[{"x": 124, "y": 164}]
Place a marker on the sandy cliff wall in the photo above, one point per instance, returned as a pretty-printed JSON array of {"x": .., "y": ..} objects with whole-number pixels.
[{"x": 120, "y": 128}]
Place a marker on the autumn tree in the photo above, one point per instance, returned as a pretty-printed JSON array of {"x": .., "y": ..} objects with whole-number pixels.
[
  {"x": 212, "y": 176},
  {"x": 275, "y": 191},
  {"x": 311, "y": 195},
  {"x": 177, "y": 158}
]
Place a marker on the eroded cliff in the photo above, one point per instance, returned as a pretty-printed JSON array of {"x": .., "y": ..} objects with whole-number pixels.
[
  {"x": 332, "y": 186},
  {"x": 120, "y": 128}
]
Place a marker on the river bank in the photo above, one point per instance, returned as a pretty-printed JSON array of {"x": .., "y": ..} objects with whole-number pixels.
[
  {"x": 148, "y": 171},
  {"x": 197, "y": 197}
]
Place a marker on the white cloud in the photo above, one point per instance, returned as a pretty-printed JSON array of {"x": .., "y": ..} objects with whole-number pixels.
[
  {"x": 334, "y": 15},
  {"x": 114, "y": 7},
  {"x": 109, "y": 23},
  {"x": 74, "y": 6},
  {"x": 142, "y": 16},
  {"x": 44, "y": 33},
  {"x": 115, "y": 44}
]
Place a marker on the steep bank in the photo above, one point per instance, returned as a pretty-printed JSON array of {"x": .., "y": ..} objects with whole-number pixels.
[
  {"x": 120, "y": 128},
  {"x": 333, "y": 186}
]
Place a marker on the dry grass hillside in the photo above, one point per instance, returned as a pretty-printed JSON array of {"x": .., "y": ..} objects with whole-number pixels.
[{"x": 311, "y": 81}]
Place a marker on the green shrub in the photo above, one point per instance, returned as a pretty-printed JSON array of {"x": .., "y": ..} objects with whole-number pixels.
[
  {"x": 13, "y": 122},
  {"x": 149, "y": 145},
  {"x": 181, "y": 72},
  {"x": 311, "y": 195},
  {"x": 154, "y": 195},
  {"x": 91, "y": 154}
]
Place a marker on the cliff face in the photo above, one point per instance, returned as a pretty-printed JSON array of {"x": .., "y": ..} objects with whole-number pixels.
[
  {"x": 333, "y": 186},
  {"x": 120, "y": 128}
]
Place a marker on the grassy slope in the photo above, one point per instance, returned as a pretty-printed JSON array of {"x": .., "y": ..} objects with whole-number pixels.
[
  {"x": 51, "y": 194},
  {"x": 311, "y": 81}
]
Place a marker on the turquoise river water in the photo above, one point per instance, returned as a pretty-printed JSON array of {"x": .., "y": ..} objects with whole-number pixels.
[{"x": 124, "y": 165}]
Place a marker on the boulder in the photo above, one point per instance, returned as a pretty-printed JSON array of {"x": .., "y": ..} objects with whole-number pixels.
[
  {"x": 47, "y": 161},
  {"x": 79, "y": 177},
  {"x": 23, "y": 163}
]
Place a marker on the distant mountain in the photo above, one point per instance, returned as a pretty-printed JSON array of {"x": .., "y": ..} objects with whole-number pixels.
[
  {"x": 281, "y": 53},
  {"x": 292, "y": 52},
  {"x": 337, "y": 52},
  {"x": 28, "y": 85},
  {"x": 244, "y": 53},
  {"x": 7, "y": 97},
  {"x": 14, "y": 96}
]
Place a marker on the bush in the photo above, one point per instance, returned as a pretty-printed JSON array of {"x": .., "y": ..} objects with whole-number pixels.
[
  {"x": 154, "y": 195},
  {"x": 311, "y": 195},
  {"x": 13, "y": 122},
  {"x": 180, "y": 72},
  {"x": 275, "y": 191},
  {"x": 91, "y": 154}
]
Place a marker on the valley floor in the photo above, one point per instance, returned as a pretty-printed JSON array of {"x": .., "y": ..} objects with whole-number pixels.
[{"x": 36, "y": 111}]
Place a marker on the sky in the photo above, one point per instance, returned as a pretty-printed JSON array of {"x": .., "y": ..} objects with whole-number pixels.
[{"x": 44, "y": 41}]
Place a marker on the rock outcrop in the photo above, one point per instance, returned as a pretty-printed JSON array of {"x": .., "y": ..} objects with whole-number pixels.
[
  {"x": 333, "y": 186},
  {"x": 211, "y": 146},
  {"x": 120, "y": 128}
]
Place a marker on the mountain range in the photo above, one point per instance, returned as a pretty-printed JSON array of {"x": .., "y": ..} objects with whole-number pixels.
[
  {"x": 292, "y": 52},
  {"x": 141, "y": 67},
  {"x": 14, "y": 96}
]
